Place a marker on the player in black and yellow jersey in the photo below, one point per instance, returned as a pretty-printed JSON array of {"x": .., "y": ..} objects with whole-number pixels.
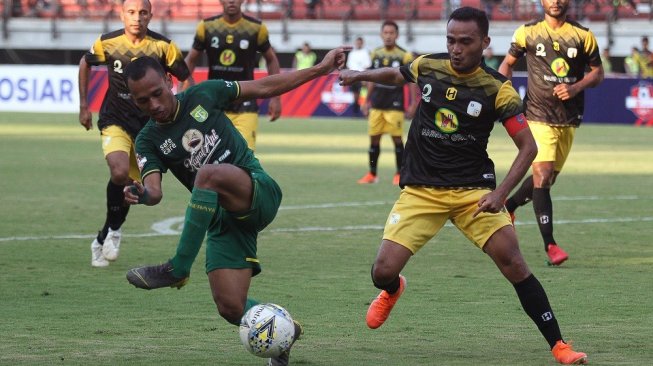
[
  {"x": 231, "y": 41},
  {"x": 448, "y": 176},
  {"x": 557, "y": 53},
  {"x": 385, "y": 103},
  {"x": 120, "y": 120}
]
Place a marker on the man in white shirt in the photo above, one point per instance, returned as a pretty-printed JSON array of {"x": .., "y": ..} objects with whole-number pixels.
[{"x": 358, "y": 60}]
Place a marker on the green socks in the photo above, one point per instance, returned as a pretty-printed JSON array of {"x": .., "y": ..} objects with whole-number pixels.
[{"x": 201, "y": 208}]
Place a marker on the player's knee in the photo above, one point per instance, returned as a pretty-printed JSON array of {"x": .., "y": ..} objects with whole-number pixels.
[
  {"x": 230, "y": 312},
  {"x": 120, "y": 177},
  {"x": 382, "y": 275}
]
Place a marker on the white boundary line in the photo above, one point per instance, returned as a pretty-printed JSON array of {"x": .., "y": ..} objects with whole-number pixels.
[{"x": 172, "y": 226}]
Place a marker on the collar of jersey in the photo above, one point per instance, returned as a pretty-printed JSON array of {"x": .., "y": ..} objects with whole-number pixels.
[
  {"x": 174, "y": 118},
  {"x": 462, "y": 76}
]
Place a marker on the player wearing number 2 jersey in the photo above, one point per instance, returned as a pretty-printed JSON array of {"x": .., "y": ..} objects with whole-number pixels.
[{"x": 120, "y": 119}]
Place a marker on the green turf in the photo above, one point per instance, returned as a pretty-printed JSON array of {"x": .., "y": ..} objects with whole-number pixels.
[{"x": 316, "y": 258}]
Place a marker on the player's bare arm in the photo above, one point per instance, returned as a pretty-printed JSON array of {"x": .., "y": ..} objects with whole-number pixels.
[
  {"x": 191, "y": 62},
  {"x": 494, "y": 201},
  {"x": 592, "y": 79},
  {"x": 85, "y": 116},
  {"x": 149, "y": 193},
  {"x": 272, "y": 63},
  {"x": 274, "y": 85},
  {"x": 384, "y": 75},
  {"x": 507, "y": 65}
]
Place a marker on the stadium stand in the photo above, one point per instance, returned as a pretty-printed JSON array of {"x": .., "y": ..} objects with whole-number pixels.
[{"x": 327, "y": 9}]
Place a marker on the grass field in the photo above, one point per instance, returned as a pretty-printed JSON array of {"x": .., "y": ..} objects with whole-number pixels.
[{"x": 316, "y": 257}]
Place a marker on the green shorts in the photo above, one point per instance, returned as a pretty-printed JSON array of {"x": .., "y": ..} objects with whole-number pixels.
[{"x": 231, "y": 238}]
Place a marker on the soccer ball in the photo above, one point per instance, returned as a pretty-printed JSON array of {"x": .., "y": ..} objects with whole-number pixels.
[{"x": 267, "y": 330}]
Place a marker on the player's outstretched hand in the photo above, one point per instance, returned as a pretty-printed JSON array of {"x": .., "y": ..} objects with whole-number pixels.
[
  {"x": 346, "y": 77},
  {"x": 335, "y": 59}
]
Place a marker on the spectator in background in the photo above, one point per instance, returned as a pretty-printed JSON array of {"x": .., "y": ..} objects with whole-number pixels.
[
  {"x": 120, "y": 119},
  {"x": 231, "y": 41},
  {"x": 605, "y": 58},
  {"x": 644, "y": 61},
  {"x": 631, "y": 65},
  {"x": 488, "y": 5},
  {"x": 304, "y": 58},
  {"x": 311, "y": 9},
  {"x": 490, "y": 60},
  {"x": 358, "y": 60}
]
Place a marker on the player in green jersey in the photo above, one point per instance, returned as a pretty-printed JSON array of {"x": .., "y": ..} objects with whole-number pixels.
[
  {"x": 232, "y": 198},
  {"x": 448, "y": 176}
]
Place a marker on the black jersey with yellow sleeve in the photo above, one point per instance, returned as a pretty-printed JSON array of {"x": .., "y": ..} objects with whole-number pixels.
[
  {"x": 115, "y": 50},
  {"x": 199, "y": 134},
  {"x": 448, "y": 137},
  {"x": 231, "y": 50},
  {"x": 554, "y": 56},
  {"x": 388, "y": 96}
]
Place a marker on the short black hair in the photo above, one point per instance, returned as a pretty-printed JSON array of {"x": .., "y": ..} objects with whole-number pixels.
[
  {"x": 467, "y": 13},
  {"x": 137, "y": 69},
  {"x": 390, "y": 23}
]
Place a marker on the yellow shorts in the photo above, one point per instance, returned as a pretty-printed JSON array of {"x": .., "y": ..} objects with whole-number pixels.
[
  {"x": 553, "y": 143},
  {"x": 388, "y": 121},
  {"x": 114, "y": 138},
  {"x": 246, "y": 124},
  {"x": 420, "y": 212}
]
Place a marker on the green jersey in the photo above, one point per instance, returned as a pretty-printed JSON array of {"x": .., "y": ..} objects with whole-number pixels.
[{"x": 199, "y": 134}]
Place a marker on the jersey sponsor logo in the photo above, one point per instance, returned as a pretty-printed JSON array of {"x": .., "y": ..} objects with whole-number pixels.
[
  {"x": 547, "y": 316},
  {"x": 230, "y": 39},
  {"x": 394, "y": 218},
  {"x": 451, "y": 93},
  {"x": 201, "y": 148},
  {"x": 474, "y": 109},
  {"x": 244, "y": 44},
  {"x": 560, "y": 67},
  {"x": 192, "y": 140},
  {"x": 227, "y": 57},
  {"x": 199, "y": 114},
  {"x": 396, "y": 63},
  {"x": 488, "y": 176},
  {"x": 572, "y": 52},
  {"x": 446, "y": 120},
  {"x": 167, "y": 146},
  {"x": 106, "y": 140}
]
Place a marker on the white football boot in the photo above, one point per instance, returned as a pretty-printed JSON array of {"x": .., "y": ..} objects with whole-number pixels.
[
  {"x": 97, "y": 259},
  {"x": 111, "y": 246}
]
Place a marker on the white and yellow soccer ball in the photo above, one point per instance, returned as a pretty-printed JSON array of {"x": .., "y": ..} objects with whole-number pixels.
[{"x": 267, "y": 330}]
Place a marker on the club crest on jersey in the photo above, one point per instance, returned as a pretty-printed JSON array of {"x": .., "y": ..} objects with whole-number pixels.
[
  {"x": 474, "y": 109},
  {"x": 451, "y": 93},
  {"x": 244, "y": 44},
  {"x": 227, "y": 57},
  {"x": 199, "y": 114},
  {"x": 446, "y": 120},
  {"x": 560, "y": 67}
]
